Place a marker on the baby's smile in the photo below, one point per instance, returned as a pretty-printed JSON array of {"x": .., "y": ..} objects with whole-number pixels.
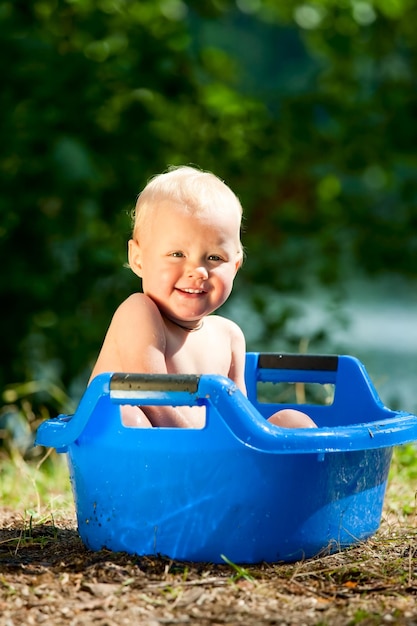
[{"x": 191, "y": 291}]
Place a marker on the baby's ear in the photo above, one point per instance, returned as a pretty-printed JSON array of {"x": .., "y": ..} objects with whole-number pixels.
[
  {"x": 135, "y": 257},
  {"x": 239, "y": 261}
]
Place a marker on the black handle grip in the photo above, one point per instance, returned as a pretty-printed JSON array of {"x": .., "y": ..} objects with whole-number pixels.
[{"x": 312, "y": 362}]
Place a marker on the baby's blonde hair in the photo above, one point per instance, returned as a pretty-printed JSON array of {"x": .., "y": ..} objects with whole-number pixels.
[{"x": 192, "y": 188}]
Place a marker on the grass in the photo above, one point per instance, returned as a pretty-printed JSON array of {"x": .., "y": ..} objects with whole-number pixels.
[
  {"x": 36, "y": 487},
  {"x": 33, "y": 480},
  {"x": 401, "y": 497}
]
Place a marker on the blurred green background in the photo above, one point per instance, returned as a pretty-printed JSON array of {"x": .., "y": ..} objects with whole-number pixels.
[{"x": 306, "y": 109}]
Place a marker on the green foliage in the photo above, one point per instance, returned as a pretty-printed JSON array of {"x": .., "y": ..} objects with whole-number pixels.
[
  {"x": 402, "y": 492},
  {"x": 35, "y": 489},
  {"x": 306, "y": 109}
]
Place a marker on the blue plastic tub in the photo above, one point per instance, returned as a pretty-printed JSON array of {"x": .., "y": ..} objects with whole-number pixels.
[{"x": 239, "y": 487}]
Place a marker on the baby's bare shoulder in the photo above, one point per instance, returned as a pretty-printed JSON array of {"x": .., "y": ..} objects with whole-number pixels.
[
  {"x": 138, "y": 321},
  {"x": 224, "y": 326},
  {"x": 136, "y": 305},
  {"x": 138, "y": 311}
]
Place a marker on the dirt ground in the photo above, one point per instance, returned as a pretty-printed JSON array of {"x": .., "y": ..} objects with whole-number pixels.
[{"x": 48, "y": 577}]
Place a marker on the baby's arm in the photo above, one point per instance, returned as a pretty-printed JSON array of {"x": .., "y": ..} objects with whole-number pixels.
[{"x": 136, "y": 342}]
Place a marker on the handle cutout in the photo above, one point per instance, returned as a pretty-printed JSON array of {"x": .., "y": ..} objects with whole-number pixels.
[
  {"x": 135, "y": 417},
  {"x": 298, "y": 393}
]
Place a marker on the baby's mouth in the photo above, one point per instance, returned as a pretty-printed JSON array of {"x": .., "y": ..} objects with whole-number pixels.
[{"x": 193, "y": 290}]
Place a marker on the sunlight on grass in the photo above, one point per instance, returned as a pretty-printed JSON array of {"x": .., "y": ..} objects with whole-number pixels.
[
  {"x": 35, "y": 487},
  {"x": 401, "y": 492}
]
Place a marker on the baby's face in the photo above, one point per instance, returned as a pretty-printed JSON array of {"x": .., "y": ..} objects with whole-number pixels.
[{"x": 188, "y": 260}]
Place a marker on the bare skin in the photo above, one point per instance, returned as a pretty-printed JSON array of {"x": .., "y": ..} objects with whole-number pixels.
[
  {"x": 187, "y": 261},
  {"x": 216, "y": 347}
]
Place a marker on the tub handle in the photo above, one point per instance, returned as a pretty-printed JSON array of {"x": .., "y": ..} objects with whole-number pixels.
[
  {"x": 241, "y": 416},
  {"x": 154, "y": 382}
]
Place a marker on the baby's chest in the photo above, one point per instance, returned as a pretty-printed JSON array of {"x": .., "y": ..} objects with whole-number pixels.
[{"x": 199, "y": 357}]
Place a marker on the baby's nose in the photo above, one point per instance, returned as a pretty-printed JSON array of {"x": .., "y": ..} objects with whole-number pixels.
[{"x": 198, "y": 272}]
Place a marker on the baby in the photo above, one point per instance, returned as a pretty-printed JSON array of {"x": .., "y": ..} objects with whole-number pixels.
[{"x": 186, "y": 249}]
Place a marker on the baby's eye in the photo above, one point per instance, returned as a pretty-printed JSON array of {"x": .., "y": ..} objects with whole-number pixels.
[
  {"x": 215, "y": 257},
  {"x": 177, "y": 254}
]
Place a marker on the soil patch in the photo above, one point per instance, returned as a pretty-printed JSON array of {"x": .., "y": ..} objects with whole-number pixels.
[{"x": 48, "y": 576}]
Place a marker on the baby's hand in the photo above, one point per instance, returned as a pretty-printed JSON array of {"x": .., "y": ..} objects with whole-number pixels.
[{"x": 291, "y": 418}]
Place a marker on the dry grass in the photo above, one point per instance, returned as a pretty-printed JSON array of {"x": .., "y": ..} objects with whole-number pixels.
[{"x": 48, "y": 576}]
